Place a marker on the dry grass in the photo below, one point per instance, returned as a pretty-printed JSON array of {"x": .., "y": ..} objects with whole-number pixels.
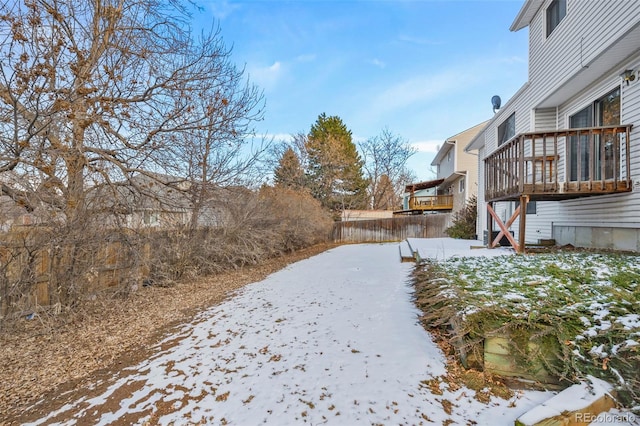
[{"x": 39, "y": 359}]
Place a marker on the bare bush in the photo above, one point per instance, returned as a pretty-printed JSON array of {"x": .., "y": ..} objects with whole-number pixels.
[
  {"x": 256, "y": 226},
  {"x": 298, "y": 217}
]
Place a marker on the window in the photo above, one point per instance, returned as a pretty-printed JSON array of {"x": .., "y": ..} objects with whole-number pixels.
[
  {"x": 461, "y": 185},
  {"x": 507, "y": 129},
  {"x": 555, "y": 12},
  {"x": 531, "y": 207},
  {"x": 605, "y": 111},
  {"x": 449, "y": 156}
]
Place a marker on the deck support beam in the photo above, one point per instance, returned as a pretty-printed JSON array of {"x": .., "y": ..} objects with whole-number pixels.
[
  {"x": 524, "y": 200},
  {"x": 504, "y": 228}
]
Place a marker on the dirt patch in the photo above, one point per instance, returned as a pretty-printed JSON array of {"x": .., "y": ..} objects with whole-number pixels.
[{"x": 44, "y": 360}]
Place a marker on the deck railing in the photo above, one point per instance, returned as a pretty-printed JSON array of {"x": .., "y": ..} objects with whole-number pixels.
[
  {"x": 560, "y": 164},
  {"x": 431, "y": 202}
]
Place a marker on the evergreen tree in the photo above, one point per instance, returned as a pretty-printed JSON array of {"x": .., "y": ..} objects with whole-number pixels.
[
  {"x": 334, "y": 171},
  {"x": 289, "y": 173}
]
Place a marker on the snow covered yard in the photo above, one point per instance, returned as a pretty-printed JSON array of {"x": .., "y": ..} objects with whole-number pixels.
[
  {"x": 333, "y": 339},
  {"x": 580, "y": 307}
]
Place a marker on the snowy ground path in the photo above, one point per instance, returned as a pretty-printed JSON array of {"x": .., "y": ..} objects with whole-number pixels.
[{"x": 333, "y": 339}]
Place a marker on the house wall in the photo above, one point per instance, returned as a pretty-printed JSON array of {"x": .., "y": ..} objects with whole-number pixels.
[
  {"x": 517, "y": 104},
  {"x": 610, "y": 221},
  {"x": 524, "y": 119},
  {"x": 584, "y": 34},
  {"x": 481, "y": 223},
  {"x": 545, "y": 119},
  {"x": 578, "y": 38},
  {"x": 454, "y": 161},
  {"x": 448, "y": 163},
  {"x": 459, "y": 198},
  {"x": 468, "y": 161},
  {"x": 419, "y": 193}
]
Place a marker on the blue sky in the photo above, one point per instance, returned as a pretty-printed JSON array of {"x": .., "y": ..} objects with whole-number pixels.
[{"x": 425, "y": 70}]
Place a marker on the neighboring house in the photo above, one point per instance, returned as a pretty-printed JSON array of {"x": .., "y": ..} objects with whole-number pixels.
[
  {"x": 458, "y": 168},
  {"x": 159, "y": 201},
  {"x": 567, "y": 145},
  {"x": 11, "y": 214},
  {"x": 425, "y": 197}
]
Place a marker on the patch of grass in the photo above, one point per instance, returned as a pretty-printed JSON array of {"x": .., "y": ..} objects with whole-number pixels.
[{"x": 579, "y": 309}]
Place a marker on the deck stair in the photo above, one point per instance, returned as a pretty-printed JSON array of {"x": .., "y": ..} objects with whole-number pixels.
[{"x": 407, "y": 254}]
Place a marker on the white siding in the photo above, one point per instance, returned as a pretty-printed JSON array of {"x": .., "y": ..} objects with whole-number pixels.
[
  {"x": 481, "y": 224},
  {"x": 545, "y": 119},
  {"x": 584, "y": 33},
  {"x": 447, "y": 163},
  {"x": 557, "y": 72},
  {"x": 610, "y": 210},
  {"x": 539, "y": 225},
  {"x": 516, "y": 104}
]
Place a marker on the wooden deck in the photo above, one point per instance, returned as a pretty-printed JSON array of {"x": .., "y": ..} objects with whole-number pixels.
[
  {"x": 560, "y": 164},
  {"x": 431, "y": 202}
]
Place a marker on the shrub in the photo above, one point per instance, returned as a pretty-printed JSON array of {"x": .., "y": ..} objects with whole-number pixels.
[{"x": 464, "y": 221}]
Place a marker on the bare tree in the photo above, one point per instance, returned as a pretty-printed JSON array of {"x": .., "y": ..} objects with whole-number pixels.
[
  {"x": 93, "y": 92},
  {"x": 96, "y": 92},
  {"x": 385, "y": 162}
]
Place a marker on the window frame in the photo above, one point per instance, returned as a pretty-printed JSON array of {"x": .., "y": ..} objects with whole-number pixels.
[
  {"x": 592, "y": 116},
  {"x": 532, "y": 207},
  {"x": 462, "y": 185},
  {"x": 554, "y": 14},
  {"x": 509, "y": 124}
]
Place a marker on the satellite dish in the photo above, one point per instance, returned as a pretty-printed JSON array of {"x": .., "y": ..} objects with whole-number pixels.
[{"x": 496, "y": 101}]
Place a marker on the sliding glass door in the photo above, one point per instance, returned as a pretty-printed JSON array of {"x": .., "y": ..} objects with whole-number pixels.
[{"x": 592, "y": 153}]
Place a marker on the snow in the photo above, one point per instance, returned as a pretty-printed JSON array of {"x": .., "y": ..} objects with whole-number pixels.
[
  {"x": 332, "y": 339},
  {"x": 445, "y": 248},
  {"x": 629, "y": 321},
  {"x": 614, "y": 417},
  {"x": 574, "y": 398}
]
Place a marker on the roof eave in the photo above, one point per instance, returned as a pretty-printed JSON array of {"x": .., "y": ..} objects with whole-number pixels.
[
  {"x": 449, "y": 144},
  {"x": 526, "y": 14}
]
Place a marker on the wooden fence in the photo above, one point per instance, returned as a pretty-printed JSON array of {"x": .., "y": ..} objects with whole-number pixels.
[
  {"x": 36, "y": 273},
  {"x": 394, "y": 229}
]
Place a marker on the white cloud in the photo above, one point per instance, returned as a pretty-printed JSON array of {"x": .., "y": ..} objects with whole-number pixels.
[
  {"x": 430, "y": 146},
  {"x": 222, "y": 9},
  {"x": 284, "y": 137},
  {"x": 266, "y": 77},
  {"x": 377, "y": 62},
  {"x": 420, "y": 89},
  {"x": 275, "y": 67}
]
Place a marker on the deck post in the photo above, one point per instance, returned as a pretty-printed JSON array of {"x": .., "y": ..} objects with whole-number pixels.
[
  {"x": 489, "y": 225},
  {"x": 524, "y": 200}
]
